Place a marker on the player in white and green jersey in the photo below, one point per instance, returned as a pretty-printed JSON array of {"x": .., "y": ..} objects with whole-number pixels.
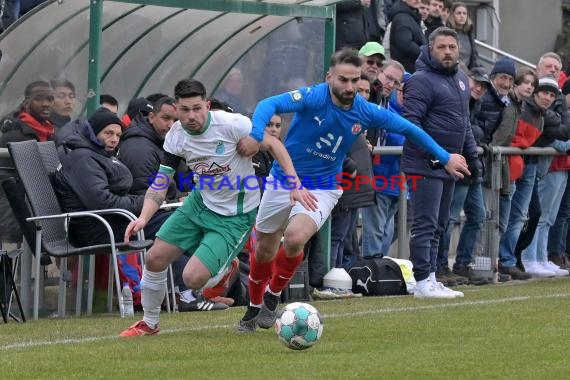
[{"x": 216, "y": 218}]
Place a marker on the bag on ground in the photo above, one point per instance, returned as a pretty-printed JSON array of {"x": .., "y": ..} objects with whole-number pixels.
[{"x": 377, "y": 276}]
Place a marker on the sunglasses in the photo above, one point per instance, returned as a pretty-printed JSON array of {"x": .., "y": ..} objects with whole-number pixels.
[{"x": 372, "y": 62}]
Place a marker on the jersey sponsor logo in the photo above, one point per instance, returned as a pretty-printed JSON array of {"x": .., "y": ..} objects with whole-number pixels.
[
  {"x": 356, "y": 129},
  {"x": 296, "y": 95},
  {"x": 319, "y": 120},
  {"x": 220, "y": 148},
  {"x": 213, "y": 169},
  {"x": 461, "y": 85}
]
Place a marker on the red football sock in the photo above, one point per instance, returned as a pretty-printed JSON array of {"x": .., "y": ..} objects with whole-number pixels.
[
  {"x": 283, "y": 270},
  {"x": 258, "y": 278},
  {"x": 221, "y": 287}
]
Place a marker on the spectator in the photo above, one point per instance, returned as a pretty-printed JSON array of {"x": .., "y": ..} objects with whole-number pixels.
[
  {"x": 109, "y": 102},
  {"x": 231, "y": 92},
  {"x": 496, "y": 98},
  {"x": 460, "y": 21},
  {"x": 29, "y": 122},
  {"x": 32, "y": 120},
  {"x": 549, "y": 64},
  {"x": 424, "y": 13},
  {"x": 137, "y": 108},
  {"x": 406, "y": 34},
  {"x": 467, "y": 195},
  {"x": 535, "y": 117},
  {"x": 535, "y": 259},
  {"x": 64, "y": 102},
  {"x": 434, "y": 19},
  {"x": 557, "y": 237},
  {"x": 372, "y": 57},
  {"x": 141, "y": 145},
  {"x": 445, "y": 11},
  {"x": 351, "y": 23},
  {"x": 92, "y": 178},
  {"x": 377, "y": 228},
  {"x": 444, "y": 115},
  {"x": 375, "y": 21},
  {"x": 263, "y": 160}
]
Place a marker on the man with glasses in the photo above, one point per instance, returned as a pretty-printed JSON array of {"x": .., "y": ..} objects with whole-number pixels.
[{"x": 372, "y": 57}]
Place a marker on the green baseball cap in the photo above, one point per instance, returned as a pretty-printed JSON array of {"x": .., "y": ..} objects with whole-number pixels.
[{"x": 371, "y": 48}]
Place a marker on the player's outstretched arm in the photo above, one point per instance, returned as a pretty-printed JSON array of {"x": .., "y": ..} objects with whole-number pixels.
[
  {"x": 457, "y": 166},
  {"x": 303, "y": 196},
  {"x": 153, "y": 199},
  {"x": 248, "y": 146}
]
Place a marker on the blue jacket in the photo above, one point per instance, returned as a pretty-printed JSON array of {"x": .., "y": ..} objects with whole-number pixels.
[{"x": 437, "y": 100}]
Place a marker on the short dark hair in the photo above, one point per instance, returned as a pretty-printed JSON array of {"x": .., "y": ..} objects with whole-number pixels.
[
  {"x": 442, "y": 31},
  {"x": 189, "y": 88},
  {"x": 346, "y": 55},
  {"x": 157, "y": 105},
  {"x": 62, "y": 83},
  {"x": 154, "y": 97},
  {"x": 35, "y": 84},
  {"x": 109, "y": 99}
]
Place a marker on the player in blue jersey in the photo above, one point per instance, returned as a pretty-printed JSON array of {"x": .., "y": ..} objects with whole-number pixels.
[{"x": 328, "y": 119}]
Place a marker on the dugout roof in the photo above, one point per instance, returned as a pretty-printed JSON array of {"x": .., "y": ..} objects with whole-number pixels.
[{"x": 146, "y": 46}]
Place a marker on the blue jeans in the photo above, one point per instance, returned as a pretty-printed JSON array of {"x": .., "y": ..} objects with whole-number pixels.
[
  {"x": 342, "y": 225},
  {"x": 430, "y": 205},
  {"x": 519, "y": 209},
  {"x": 550, "y": 197},
  {"x": 468, "y": 198},
  {"x": 559, "y": 231},
  {"x": 10, "y": 12},
  {"x": 376, "y": 234}
]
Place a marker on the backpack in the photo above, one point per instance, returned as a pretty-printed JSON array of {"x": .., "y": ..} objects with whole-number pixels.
[{"x": 377, "y": 276}]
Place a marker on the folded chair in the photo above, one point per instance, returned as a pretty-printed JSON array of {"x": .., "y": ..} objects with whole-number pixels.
[
  {"x": 51, "y": 224},
  {"x": 8, "y": 264}
]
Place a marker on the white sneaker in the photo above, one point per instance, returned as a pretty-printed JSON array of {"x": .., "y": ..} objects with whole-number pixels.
[
  {"x": 457, "y": 293},
  {"x": 431, "y": 291},
  {"x": 537, "y": 270},
  {"x": 558, "y": 272}
]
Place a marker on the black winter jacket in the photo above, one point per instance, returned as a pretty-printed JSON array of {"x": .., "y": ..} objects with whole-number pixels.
[
  {"x": 141, "y": 151},
  {"x": 350, "y": 24},
  {"x": 437, "y": 100},
  {"x": 91, "y": 178},
  {"x": 406, "y": 35},
  {"x": 364, "y": 196},
  {"x": 489, "y": 115}
]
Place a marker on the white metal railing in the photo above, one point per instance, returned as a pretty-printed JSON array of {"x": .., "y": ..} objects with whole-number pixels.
[{"x": 505, "y": 54}]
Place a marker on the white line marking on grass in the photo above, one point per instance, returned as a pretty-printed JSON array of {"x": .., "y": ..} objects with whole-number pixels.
[{"x": 29, "y": 344}]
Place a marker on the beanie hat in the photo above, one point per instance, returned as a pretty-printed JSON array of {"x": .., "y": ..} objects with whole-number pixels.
[
  {"x": 102, "y": 118},
  {"x": 504, "y": 66},
  {"x": 547, "y": 83}
]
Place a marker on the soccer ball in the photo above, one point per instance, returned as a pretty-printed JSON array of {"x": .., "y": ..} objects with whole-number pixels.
[{"x": 299, "y": 325}]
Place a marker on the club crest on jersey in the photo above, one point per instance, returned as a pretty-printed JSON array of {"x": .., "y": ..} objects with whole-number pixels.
[
  {"x": 462, "y": 85},
  {"x": 296, "y": 95},
  {"x": 356, "y": 129},
  {"x": 220, "y": 148}
]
